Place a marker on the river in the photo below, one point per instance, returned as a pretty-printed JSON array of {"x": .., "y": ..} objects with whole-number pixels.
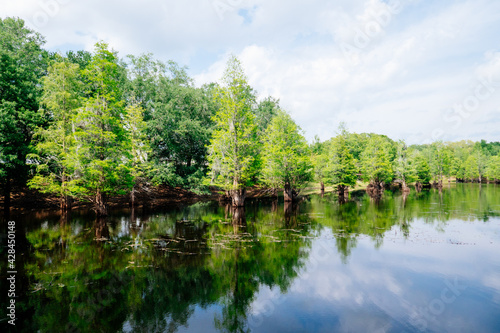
[{"x": 426, "y": 262}]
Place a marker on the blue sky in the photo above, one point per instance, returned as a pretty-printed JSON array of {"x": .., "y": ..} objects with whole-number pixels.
[{"x": 410, "y": 69}]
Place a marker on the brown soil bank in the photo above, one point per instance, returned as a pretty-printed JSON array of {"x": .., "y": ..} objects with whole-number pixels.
[{"x": 23, "y": 198}]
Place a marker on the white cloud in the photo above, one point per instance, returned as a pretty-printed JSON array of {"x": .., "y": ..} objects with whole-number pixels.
[{"x": 404, "y": 77}]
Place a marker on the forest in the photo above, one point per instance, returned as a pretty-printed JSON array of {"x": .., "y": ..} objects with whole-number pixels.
[{"x": 90, "y": 126}]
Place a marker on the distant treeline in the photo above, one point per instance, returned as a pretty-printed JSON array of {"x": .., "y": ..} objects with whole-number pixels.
[{"x": 92, "y": 125}]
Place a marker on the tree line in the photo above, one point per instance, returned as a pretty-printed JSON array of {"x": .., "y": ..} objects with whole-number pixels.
[{"x": 92, "y": 125}]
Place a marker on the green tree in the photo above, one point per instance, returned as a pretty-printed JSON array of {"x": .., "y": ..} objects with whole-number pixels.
[
  {"x": 81, "y": 58},
  {"x": 438, "y": 160},
  {"x": 232, "y": 151},
  {"x": 138, "y": 146},
  {"x": 22, "y": 63},
  {"x": 55, "y": 169},
  {"x": 493, "y": 169},
  {"x": 178, "y": 119},
  {"x": 423, "y": 169},
  {"x": 265, "y": 112},
  {"x": 102, "y": 151},
  {"x": 404, "y": 168},
  {"x": 375, "y": 161},
  {"x": 285, "y": 158},
  {"x": 319, "y": 159},
  {"x": 341, "y": 170},
  {"x": 471, "y": 168}
]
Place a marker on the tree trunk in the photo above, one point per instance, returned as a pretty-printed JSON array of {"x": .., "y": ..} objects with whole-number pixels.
[
  {"x": 239, "y": 217},
  {"x": 322, "y": 188},
  {"x": 132, "y": 197},
  {"x": 375, "y": 189},
  {"x": 66, "y": 203},
  {"x": 405, "y": 196},
  {"x": 343, "y": 193},
  {"x": 288, "y": 212},
  {"x": 288, "y": 192},
  {"x": 404, "y": 187},
  {"x": 418, "y": 186},
  {"x": 100, "y": 206},
  {"x": 238, "y": 197},
  {"x": 101, "y": 229}
]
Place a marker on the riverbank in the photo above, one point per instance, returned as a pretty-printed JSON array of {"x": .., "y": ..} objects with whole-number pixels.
[{"x": 23, "y": 198}]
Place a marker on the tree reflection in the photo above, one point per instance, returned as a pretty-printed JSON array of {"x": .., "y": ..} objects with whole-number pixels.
[
  {"x": 151, "y": 272},
  {"x": 104, "y": 274}
]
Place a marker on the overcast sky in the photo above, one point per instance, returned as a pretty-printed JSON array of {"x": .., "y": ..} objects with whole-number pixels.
[{"x": 410, "y": 69}]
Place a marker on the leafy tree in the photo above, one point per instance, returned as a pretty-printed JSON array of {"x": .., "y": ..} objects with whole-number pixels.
[
  {"x": 471, "y": 168},
  {"x": 341, "y": 171},
  {"x": 319, "y": 159},
  {"x": 357, "y": 144},
  {"x": 438, "y": 160},
  {"x": 482, "y": 161},
  {"x": 423, "y": 169},
  {"x": 22, "y": 63},
  {"x": 233, "y": 147},
  {"x": 102, "y": 154},
  {"x": 493, "y": 169},
  {"x": 81, "y": 58},
  {"x": 286, "y": 162},
  {"x": 403, "y": 166},
  {"x": 138, "y": 146},
  {"x": 375, "y": 161},
  {"x": 178, "y": 119},
  {"x": 267, "y": 109},
  {"x": 61, "y": 99}
]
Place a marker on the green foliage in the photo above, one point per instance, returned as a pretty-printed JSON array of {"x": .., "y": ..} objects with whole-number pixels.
[
  {"x": 22, "y": 63},
  {"x": 178, "y": 118},
  {"x": 341, "y": 168},
  {"x": 267, "y": 109},
  {"x": 438, "y": 159},
  {"x": 375, "y": 160},
  {"x": 493, "y": 169},
  {"x": 404, "y": 167},
  {"x": 138, "y": 144},
  {"x": 319, "y": 159},
  {"x": 61, "y": 99},
  {"x": 103, "y": 153},
  {"x": 423, "y": 169},
  {"x": 81, "y": 58},
  {"x": 100, "y": 126},
  {"x": 234, "y": 145},
  {"x": 471, "y": 168},
  {"x": 285, "y": 156}
]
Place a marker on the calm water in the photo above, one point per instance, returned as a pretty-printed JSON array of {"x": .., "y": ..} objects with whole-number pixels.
[{"x": 426, "y": 263}]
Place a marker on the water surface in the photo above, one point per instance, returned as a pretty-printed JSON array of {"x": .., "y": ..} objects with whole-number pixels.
[{"x": 428, "y": 262}]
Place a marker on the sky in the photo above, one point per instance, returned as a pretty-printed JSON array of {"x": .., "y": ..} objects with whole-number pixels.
[{"x": 416, "y": 70}]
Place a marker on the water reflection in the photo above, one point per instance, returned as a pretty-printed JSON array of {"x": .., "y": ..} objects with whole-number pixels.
[{"x": 313, "y": 266}]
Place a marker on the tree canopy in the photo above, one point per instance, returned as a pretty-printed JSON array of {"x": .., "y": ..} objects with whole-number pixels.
[{"x": 286, "y": 161}]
